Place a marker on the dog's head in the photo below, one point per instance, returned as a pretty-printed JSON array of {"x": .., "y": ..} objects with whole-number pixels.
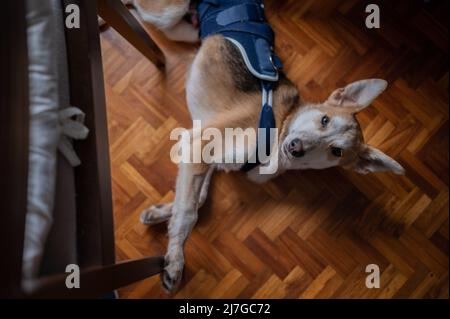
[{"x": 323, "y": 135}]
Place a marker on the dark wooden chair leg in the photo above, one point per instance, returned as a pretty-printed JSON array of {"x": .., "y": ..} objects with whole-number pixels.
[
  {"x": 96, "y": 281},
  {"x": 116, "y": 14},
  {"x": 14, "y": 112},
  {"x": 95, "y": 230}
]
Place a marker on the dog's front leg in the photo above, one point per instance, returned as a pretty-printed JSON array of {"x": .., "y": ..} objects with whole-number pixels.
[
  {"x": 159, "y": 213},
  {"x": 184, "y": 216}
]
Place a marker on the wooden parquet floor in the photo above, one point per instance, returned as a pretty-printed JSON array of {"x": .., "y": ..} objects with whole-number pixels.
[{"x": 307, "y": 234}]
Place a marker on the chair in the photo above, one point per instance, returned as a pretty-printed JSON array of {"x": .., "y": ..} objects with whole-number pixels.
[
  {"x": 117, "y": 16},
  {"x": 88, "y": 186}
]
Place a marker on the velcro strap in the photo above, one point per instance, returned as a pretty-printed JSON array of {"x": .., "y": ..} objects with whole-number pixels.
[
  {"x": 204, "y": 6},
  {"x": 240, "y": 13},
  {"x": 213, "y": 2}
]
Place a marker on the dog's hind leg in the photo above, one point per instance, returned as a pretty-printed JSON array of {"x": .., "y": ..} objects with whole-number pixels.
[
  {"x": 159, "y": 213},
  {"x": 205, "y": 187},
  {"x": 182, "y": 32},
  {"x": 184, "y": 216},
  {"x": 168, "y": 17}
]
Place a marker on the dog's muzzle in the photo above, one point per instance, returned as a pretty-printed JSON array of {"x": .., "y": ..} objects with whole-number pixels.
[{"x": 295, "y": 148}]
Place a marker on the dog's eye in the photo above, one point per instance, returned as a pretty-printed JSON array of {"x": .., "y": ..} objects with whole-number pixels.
[
  {"x": 325, "y": 120},
  {"x": 336, "y": 151}
]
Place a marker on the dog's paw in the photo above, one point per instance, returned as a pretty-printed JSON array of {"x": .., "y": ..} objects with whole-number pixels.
[
  {"x": 156, "y": 214},
  {"x": 171, "y": 276}
]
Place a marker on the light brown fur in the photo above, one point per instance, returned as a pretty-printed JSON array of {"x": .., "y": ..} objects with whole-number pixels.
[
  {"x": 233, "y": 107},
  {"x": 158, "y": 6}
]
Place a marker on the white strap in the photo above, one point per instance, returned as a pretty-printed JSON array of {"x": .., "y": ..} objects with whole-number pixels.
[
  {"x": 72, "y": 126},
  {"x": 267, "y": 96}
]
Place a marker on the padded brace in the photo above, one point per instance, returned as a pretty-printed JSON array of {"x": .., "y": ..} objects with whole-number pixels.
[{"x": 243, "y": 23}]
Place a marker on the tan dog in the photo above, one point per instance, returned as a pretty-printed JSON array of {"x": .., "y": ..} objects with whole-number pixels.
[
  {"x": 222, "y": 93},
  {"x": 167, "y": 15}
]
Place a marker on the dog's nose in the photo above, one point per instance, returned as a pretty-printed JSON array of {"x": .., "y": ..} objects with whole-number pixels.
[{"x": 295, "y": 147}]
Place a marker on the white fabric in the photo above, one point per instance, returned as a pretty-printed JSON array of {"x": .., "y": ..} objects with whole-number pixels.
[
  {"x": 71, "y": 119},
  {"x": 44, "y": 131},
  {"x": 53, "y": 123},
  {"x": 72, "y": 124}
]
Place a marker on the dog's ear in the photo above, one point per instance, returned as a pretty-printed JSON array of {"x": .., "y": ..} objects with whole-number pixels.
[
  {"x": 372, "y": 160},
  {"x": 357, "y": 95}
]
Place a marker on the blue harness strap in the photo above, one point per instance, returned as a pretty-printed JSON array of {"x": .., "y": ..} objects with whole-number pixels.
[
  {"x": 266, "y": 122},
  {"x": 242, "y": 12},
  {"x": 243, "y": 23}
]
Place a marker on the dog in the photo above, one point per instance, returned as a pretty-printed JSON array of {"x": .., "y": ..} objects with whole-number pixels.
[
  {"x": 223, "y": 92},
  {"x": 168, "y": 16}
]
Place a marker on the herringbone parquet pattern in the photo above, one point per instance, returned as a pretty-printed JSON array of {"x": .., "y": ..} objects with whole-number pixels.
[{"x": 307, "y": 234}]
